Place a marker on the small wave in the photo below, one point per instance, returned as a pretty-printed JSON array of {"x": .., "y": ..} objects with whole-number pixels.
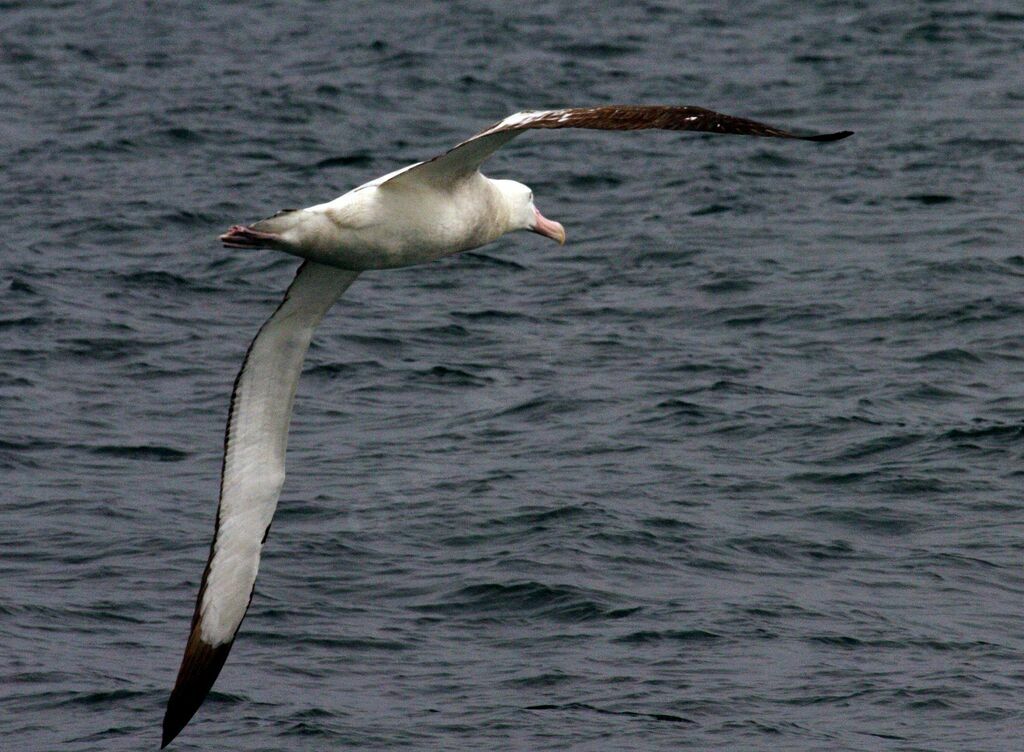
[
  {"x": 930, "y": 199},
  {"x": 563, "y": 603},
  {"x": 359, "y": 159},
  {"x": 114, "y": 696},
  {"x": 536, "y": 409},
  {"x": 826, "y": 478},
  {"x": 567, "y": 512},
  {"x": 709, "y": 209},
  {"x": 930, "y": 393},
  {"x": 772, "y": 159},
  {"x": 668, "y": 523},
  {"x": 729, "y": 284},
  {"x": 600, "y": 49},
  {"x": 940, "y": 646},
  {"x": 873, "y": 519},
  {"x": 680, "y": 411},
  {"x": 156, "y": 279},
  {"x": 671, "y": 718},
  {"x": 142, "y": 452},
  {"x": 182, "y": 134},
  {"x": 356, "y": 643},
  {"x": 949, "y": 355},
  {"x": 379, "y": 342},
  {"x": 339, "y": 368},
  {"x": 20, "y": 285},
  {"x": 1011, "y": 433},
  {"x": 102, "y": 348},
  {"x": 452, "y": 377},
  {"x": 785, "y": 549},
  {"x": 912, "y": 486},
  {"x": 491, "y": 260},
  {"x": 29, "y": 445},
  {"x": 21, "y": 322},
  {"x": 488, "y": 314},
  {"x": 645, "y": 637},
  {"x": 186, "y": 218},
  {"x": 878, "y": 445},
  {"x": 547, "y": 679},
  {"x": 594, "y": 180},
  {"x": 7, "y": 380}
]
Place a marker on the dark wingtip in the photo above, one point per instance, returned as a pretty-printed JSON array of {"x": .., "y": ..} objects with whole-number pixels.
[
  {"x": 829, "y": 136},
  {"x": 199, "y": 669}
]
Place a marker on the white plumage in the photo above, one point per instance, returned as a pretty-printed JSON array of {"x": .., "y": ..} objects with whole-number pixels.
[{"x": 410, "y": 216}]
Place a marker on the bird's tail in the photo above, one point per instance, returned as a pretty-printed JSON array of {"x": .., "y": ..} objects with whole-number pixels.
[{"x": 267, "y": 233}]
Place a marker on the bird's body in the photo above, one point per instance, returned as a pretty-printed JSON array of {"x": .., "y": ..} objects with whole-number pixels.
[
  {"x": 411, "y": 216},
  {"x": 359, "y": 230}
]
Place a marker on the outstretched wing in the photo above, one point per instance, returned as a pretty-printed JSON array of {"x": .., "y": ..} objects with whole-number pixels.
[
  {"x": 251, "y": 480},
  {"x": 467, "y": 157}
]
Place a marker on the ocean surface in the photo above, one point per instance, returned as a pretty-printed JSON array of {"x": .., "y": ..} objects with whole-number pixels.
[{"x": 739, "y": 467}]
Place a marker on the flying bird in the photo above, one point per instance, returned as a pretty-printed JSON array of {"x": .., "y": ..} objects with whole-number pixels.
[{"x": 416, "y": 214}]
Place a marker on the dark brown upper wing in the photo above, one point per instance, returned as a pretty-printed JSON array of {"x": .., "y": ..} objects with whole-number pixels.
[{"x": 470, "y": 154}]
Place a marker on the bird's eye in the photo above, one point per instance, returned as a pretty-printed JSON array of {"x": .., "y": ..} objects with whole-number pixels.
[{"x": 531, "y": 196}]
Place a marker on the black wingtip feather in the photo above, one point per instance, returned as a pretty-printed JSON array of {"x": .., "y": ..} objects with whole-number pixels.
[
  {"x": 199, "y": 669},
  {"x": 829, "y": 136}
]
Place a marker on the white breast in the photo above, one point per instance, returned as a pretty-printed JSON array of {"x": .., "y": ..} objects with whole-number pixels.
[{"x": 374, "y": 227}]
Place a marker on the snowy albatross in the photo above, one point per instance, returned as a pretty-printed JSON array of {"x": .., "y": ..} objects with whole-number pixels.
[{"x": 416, "y": 214}]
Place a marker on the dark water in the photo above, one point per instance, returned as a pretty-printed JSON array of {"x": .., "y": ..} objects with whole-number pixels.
[{"x": 738, "y": 468}]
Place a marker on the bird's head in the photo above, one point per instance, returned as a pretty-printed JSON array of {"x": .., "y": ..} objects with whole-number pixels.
[{"x": 523, "y": 215}]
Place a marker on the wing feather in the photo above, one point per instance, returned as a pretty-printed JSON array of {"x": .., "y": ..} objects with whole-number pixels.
[
  {"x": 251, "y": 480},
  {"x": 466, "y": 158}
]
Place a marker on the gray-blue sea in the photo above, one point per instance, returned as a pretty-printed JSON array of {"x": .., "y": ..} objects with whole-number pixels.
[{"x": 739, "y": 467}]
